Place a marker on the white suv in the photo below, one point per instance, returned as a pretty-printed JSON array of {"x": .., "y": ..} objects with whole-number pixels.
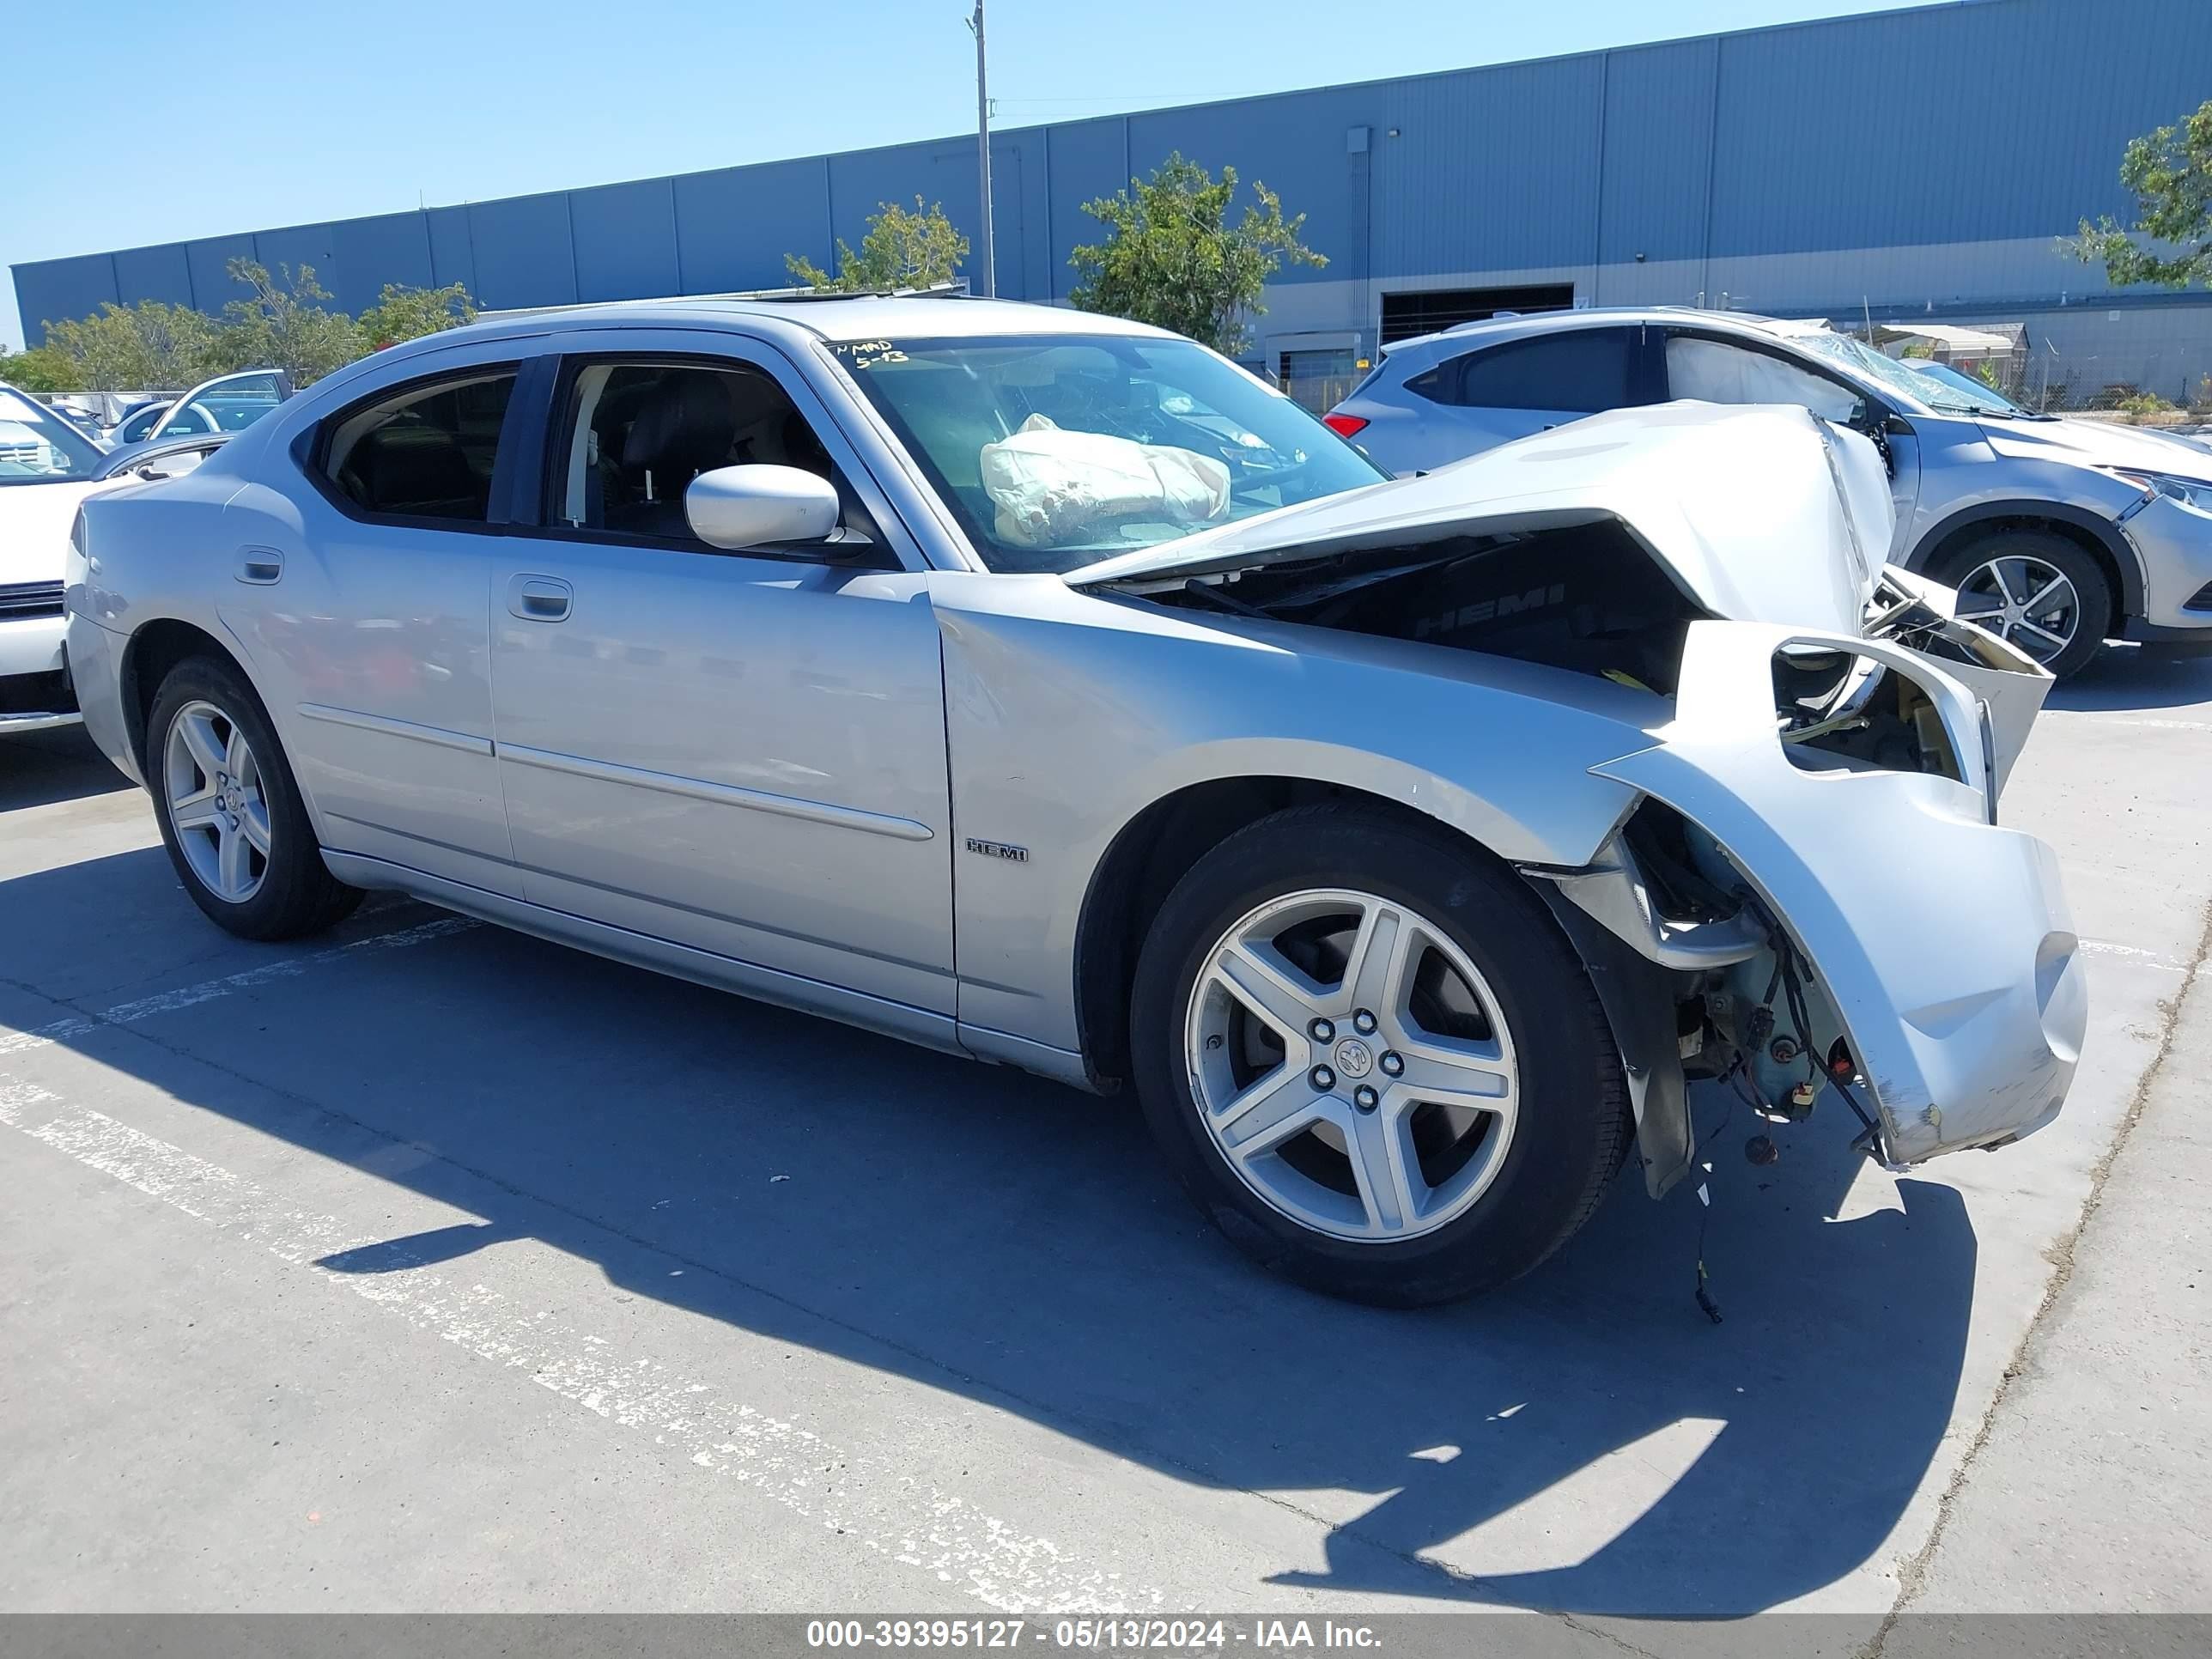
[{"x": 2058, "y": 534}]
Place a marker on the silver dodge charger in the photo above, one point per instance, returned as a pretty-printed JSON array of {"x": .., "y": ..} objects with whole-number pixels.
[{"x": 1044, "y": 688}]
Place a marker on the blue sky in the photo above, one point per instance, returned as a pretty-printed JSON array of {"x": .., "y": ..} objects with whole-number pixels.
[{"x": 172, "y": 120}]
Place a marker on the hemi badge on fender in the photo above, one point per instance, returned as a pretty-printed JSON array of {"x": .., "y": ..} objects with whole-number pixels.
[{"x": 998, "y": 849}]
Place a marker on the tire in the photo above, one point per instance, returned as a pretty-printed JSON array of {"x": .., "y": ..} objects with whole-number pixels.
[
  {"x": 279, "y": 890},
  {"x": 1492, "y": 1214},
  {"x": 2028, "y": 559}
]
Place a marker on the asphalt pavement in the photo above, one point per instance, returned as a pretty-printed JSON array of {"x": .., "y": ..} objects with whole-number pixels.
[{"x": 426, "y": 1267}]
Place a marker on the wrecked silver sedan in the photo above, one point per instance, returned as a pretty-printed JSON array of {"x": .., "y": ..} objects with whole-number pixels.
[{"x": 1045, "y": 689}]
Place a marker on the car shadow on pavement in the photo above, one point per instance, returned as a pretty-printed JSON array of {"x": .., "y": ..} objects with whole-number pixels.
[
  {"x": 37, "y": 768},
  {"x": 2122, "y": 677},
  {"x": 1587, "y": 1441}
]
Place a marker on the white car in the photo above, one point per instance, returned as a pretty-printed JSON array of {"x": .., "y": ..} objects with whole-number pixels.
[{"x": 46, "y": 467}]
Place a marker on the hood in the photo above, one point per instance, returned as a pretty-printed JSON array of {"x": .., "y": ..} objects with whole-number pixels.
[
  {"x": 1762, "y": 513},
  {"x": 2097, "y": 443},
  {"x": 34, "y": 528}
]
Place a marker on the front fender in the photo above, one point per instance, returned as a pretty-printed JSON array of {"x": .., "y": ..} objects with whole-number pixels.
[{"x": 1068, "y": 713}]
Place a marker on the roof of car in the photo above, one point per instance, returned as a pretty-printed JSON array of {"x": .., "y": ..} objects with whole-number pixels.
[
  {"x": 836, "y": 318},
  {"x": 1490, "y": 330}
]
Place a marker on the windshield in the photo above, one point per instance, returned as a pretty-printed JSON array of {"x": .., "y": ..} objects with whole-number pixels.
[
  {"x": 1947, "y": 382},
  {"x": 39, "y": 447},
  {"x": 1891, "y": 375},
  {"x": 1056, "y": 451}
]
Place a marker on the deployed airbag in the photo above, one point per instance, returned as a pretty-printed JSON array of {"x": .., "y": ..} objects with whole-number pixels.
[{"x": 1052, "y": 488}]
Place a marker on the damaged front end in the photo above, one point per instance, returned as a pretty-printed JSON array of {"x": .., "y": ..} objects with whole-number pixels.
[
  {"x": 1810, "y": 894},
  {"x": 1866, "y": 927},
  {"x": 1814, "y": 885}
]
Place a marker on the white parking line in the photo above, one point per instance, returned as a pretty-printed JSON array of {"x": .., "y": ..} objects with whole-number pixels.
[
  {"x": 2159, "y": 960},
  {"x": 166, "y": 1002},
  {"x": 866, "y": 1499}
]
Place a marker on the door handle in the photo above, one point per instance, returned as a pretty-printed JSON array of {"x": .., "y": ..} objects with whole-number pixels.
[
  {"x": 259, "y": 565},
  {"x": 538, "y": 599}
]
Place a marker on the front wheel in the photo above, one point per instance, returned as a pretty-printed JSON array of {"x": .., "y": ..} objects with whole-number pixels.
[
  {"x": 1371, "y": 1057},
  {"x": 2035, "y": 588},
  {"x": 230, "y": 811}
]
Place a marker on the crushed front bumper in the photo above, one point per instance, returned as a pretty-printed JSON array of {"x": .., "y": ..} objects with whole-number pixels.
[{"x": 1939, "y": 942}]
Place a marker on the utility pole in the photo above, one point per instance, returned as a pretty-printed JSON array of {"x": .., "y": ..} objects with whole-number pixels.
[{"x": 983, "y": 151}]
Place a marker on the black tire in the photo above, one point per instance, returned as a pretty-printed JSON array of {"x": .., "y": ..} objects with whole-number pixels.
[
  {"x": 1573, "y": 1122},
  {"x": 2061, "y": 553},
  {"x": 297, "y": 894}
]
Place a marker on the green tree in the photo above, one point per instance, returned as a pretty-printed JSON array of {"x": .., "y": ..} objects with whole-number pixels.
[
  {"x": 148, "y": 346},
  {"x": 407, "y": 314},
  {"x": 901, "y": 249},
  {"x": 2170, "y": 172},
  {"x": 281, "y": 326},
  {"x": 1172, "y": 259},
  {"x": 41, "y": 368}
]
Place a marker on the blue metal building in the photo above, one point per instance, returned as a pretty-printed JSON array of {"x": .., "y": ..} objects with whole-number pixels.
[{"x": 1915, "y": 163}]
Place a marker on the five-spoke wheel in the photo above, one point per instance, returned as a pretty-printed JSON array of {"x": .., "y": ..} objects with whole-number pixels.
[
  {"x": 230, "y": 812},
  {"x": 1371, "y": 1056},
  {"x": 1349, "y": 1061},
  {"x": 216, "y": 803}
]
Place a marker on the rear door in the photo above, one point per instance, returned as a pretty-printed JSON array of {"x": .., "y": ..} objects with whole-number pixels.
[
  {"x": 361, "y": 594},
  {"x": 1479, "y": 399},
  {"x": 742, "y": 752}
]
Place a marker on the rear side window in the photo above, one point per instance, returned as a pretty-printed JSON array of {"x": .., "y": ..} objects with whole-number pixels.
[
  {"x": 1580, "y": 372},
  {"x": 425, "y": 451}
]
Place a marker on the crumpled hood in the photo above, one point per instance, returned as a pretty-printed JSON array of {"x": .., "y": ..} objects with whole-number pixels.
[
  {"x": 1762, "y": 513},
  {"x": 34, "y": 528},
  {"x": 2096, "y": 443}
]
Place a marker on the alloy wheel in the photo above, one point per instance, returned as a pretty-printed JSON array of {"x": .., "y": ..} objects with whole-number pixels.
[
  {"x": 1351, "y": 1066},
  {"x": 213, "y": 786},
  {"x": 2025, "y": 600}
]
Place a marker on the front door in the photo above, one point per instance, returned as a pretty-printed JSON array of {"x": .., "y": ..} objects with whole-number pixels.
[{"x": 739, "y": 752}]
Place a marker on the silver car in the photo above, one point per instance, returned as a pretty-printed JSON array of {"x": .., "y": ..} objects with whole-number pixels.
[
  {"x": 2058, "y": 534},
  {"x": 1046, "y": 689}
]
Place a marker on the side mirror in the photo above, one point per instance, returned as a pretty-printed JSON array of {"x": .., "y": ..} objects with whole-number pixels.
[{"x": 758, "y": 506}]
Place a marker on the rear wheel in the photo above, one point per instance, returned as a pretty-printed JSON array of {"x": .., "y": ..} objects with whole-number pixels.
[
  {"x": 1371, "y": 1058},
  {"x": 230, "y": 811},
  {"x": 2035, "y": 588}
]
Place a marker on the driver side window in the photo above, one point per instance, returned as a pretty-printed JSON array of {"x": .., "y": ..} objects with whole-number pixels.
[
  {"x": 634, "y": 435},
  {"x": 1716, "y": 372}
]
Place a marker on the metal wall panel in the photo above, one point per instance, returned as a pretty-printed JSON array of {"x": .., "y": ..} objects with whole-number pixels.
[
  {"x": 1953, "y": 144},
  {"x": 524, "y": 256},
  {"x": 367, "y": 253},
  {"x": 1493, "y": 169},
  {"x": 62, "y": 291},
  {"x": 1294, "y": 144},
  {"x": 154, "y": 273},
  {"x": 1955, "y": 124},
  {"x": 625, "y": 240},
  {"x": 1658, "y": 152},
  {"x": 452, "y": 248},
  {"x": 209, "y": 260},
  {"x": 734, "y": 225},
  {"x": 1089, "y": 160},
  {"x": 296, "y": 247}
]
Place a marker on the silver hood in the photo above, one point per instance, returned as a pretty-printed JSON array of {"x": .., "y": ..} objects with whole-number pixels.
[
  {"x": 2097, "y": 443},
  {"x": 1762, "y": 513}
]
